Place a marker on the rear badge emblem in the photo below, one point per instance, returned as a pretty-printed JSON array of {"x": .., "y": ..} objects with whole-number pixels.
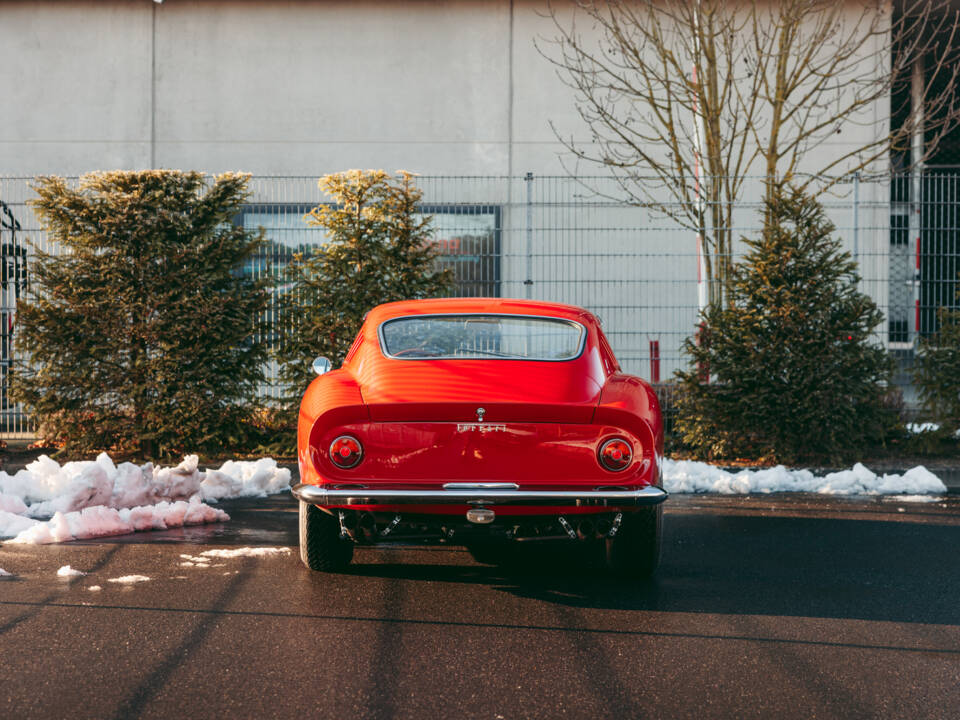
[
  {"x": 480, "y": 427},
  {"x": 480, "y": 413}
]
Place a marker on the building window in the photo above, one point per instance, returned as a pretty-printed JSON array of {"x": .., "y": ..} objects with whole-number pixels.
[
  {"x": 467, "y": 236},
  {"x": 899, "y": 230}
]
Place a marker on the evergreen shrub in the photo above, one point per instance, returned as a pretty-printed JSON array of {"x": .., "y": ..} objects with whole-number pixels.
[
  {"x": 378, "y": 249},
  {"x": 787, "y": 369},
  {"x": 140, "y": 336},
  {"x": 936, "y": 373}
]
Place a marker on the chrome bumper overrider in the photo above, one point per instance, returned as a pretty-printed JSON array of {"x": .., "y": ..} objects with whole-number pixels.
[{"x": 479, "y": 494}]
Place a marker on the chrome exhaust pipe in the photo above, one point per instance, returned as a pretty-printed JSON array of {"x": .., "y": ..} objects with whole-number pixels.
[
  {"x": 603, "y": 527},
  {"x": 585, "y": 530},
  {"x": 367, "y": 522}
]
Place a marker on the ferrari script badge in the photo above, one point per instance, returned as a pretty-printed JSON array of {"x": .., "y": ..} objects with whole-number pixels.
[{"x": 480, "y": 414}]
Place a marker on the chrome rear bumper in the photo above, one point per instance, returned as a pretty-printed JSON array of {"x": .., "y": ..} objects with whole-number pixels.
[{"x": 479, "y": 494}]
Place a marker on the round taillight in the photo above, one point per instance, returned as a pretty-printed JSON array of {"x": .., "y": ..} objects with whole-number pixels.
[
  {"x": 615, "y": 454},
  {"x": 346, "y": 451}
]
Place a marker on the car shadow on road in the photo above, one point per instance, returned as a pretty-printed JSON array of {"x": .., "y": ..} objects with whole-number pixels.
[
  {"x": 852, "y": 560},
  {"x": 816, "y": 567}
]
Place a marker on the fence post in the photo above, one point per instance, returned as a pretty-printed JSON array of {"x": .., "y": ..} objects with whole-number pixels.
[
  {"x": 528, "y": 282},
  {"x": 654, "y": 361},
  {"x": 916, "y": 221},
  {"x": 856, "y": 221},
  {"x": 917, "y": 146}
]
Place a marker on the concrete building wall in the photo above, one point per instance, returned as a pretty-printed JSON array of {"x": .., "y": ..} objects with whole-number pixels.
[
  {"x": 289, "y": 88},
  {"x": 283, "y": 88},
  {"x": 76, "y": 86}
]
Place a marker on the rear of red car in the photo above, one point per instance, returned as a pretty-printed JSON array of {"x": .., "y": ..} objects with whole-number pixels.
[{"x": 478, "y": 422}]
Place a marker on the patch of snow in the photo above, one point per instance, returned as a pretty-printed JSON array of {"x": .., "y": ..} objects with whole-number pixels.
[
  {"x": 257, "y": 478},
  {"x": 77, "y": 485},
  {"x": 197, "y": 561},
  {"x": 94, "y": 588},
  {"x": 100, "y": 521},
  {"x": 916, "y": 498},
  {"x": 4, "y": 573},
  {"x": 94, "y": 498},
  {"x": 46, "y": 487},
  {"x": 11, "y": 524},
  {"x": 919, "y": 428},
  {"x": 12, "y": 504},
  {"x": 246, "y": 552},
  {"x": 688, "y": 476},
  {"x": 67, "y": 571},
  {"x": 129, "y": 579}
]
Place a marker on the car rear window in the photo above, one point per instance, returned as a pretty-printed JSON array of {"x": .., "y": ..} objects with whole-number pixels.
[{"x": 482, "y": 336}]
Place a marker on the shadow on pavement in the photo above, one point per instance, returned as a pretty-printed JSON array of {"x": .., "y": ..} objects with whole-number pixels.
[
  {"x": 853, "y": 569},
  {"x": 843, "y": 560}
]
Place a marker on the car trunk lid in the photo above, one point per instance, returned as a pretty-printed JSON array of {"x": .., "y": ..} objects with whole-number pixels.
[{"x": 455, "y": 391}]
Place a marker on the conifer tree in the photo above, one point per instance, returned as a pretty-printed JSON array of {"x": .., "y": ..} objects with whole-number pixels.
[
  {"x": 937, "y": 372},
  {"x": 378, "y": 250},
  {"x": 793, "y": 372},
  {"x": 141, "y": 335}
]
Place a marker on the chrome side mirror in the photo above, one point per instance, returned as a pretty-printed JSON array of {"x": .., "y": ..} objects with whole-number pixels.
[{"x": 321, "y": 365}]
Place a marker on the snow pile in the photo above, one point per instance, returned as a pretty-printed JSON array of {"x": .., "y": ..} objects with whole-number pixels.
[
  {"x": 129, "y": 579},
  {"x": 687, "y": 476},
  {"x": 917, "y": 498},
  {"x": 197, "y": 561},
  {"x": 194, "y": 561},
  {"x": 203, "y": 559},
  {"x": 67, "y": 571},
  {"x": 12, "y": 504},
  {"x": 12, "y": 524},
  {"x": 100, "y": 521},
  {"x": 45, "y": 487},
  {"x": 4, "y": 573},
  {"x": 95, "y": 498},
  {"x": 257, "y": 478},
  {"x": 246, "y": 552},
  {"x": 920, "y": 428}
]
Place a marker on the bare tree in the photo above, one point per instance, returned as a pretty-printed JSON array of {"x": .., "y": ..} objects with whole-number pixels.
[{"x": 685, "y": 98}]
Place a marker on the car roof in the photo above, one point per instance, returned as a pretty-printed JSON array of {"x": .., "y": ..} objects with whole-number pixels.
[{"x": 500, "y": 306}]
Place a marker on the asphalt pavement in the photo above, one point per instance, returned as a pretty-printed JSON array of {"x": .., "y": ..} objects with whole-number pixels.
[{"x": 780, "y": 606}]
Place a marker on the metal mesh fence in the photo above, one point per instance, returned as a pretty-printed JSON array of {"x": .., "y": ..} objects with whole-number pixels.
[{"x": 568, "y": 240}]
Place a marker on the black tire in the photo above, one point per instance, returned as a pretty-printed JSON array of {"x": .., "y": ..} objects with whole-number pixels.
[
  {"x": 321, "y": 547},
  {"x": 635, "y": 550}
]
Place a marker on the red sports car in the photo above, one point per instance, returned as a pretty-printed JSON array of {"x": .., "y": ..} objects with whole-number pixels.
[{"x": 480, "y": 422}]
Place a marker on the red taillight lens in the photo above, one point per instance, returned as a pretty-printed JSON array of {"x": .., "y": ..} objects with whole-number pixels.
[
  {"x": 615, "y": 454},
  {"x": 346, "y": 451}
]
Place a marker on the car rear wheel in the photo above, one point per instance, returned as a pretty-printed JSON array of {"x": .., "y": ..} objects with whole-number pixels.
[
  {"x": 321, "y": 547},
  {"x": 635, "y": 550}
]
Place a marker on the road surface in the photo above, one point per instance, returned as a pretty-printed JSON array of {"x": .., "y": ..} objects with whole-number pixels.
[{"x": 783, "y": 606}]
